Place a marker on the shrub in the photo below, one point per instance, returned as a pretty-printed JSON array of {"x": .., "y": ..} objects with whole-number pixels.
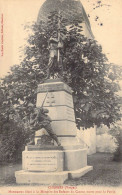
[
  {"x": 12, "y": 142},
  {"x": 106, "y": 143}
]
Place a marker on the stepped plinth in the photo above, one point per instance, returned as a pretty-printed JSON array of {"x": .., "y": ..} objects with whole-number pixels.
[{"x": 54, "y": 164}]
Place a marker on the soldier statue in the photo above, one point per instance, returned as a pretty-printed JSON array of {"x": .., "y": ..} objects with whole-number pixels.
[
  {"x": 42, "y": 120},
  {"x": 55, "y": 57}
]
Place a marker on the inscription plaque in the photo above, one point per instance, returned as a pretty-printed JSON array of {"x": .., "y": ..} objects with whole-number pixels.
[{"x": 41, "y": 162}]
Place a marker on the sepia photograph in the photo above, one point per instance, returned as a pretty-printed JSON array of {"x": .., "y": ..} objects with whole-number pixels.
[{"x": 60, "y": 97}]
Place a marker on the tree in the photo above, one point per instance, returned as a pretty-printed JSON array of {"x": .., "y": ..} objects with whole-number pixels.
[
  {"x": 13, "y": 132},
  {"x": 86, "y": 71}
]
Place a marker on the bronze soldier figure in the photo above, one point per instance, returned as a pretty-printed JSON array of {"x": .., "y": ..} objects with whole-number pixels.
[
  {"x": 55, "y": 60},
  {"x": 42, "y": 120},
  {"x": 46, "y": 123}
]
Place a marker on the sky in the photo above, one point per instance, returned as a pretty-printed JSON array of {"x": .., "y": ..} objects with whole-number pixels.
[{"x": 14, "y": 15}]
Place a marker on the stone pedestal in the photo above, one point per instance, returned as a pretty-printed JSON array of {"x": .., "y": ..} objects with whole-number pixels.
[
  {"x": 59, "y": 102},
  {"x": 53, "y": 165},
  {"x": 41, "y": 166}
]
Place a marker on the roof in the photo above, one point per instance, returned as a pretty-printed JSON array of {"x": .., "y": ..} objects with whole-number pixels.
[{"x": 70, "y": 9}]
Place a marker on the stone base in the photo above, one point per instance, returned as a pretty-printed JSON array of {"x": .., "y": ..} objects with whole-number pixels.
[
  {"x": 70, "y": 143},
  {"x": 80, "y": 172},
  {"x": 42, "y": 147},
  {"x": 26, "y": 177},
  {"x": 52, "y": 166},
  {"x": 69, "y": 159},
  {"x": 75, "y": 159}
]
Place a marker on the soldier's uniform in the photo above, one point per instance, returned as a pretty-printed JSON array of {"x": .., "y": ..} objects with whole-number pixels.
[
  {"x": 45, "y": 121},
  {"x": 42, "y": 120},
  {"x": 54, "y": 45}
]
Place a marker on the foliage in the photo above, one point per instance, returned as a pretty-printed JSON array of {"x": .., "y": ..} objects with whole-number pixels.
[
  {"x": 13, "y": 132},
  {"x": 85, "y": 70},
  {"x": 118, "y": 152},
  {"x": 116, "y": 131},
  {"x": 89, "y": 76},
  {"x": 106, "y": 143},
  {"x": 13, "y": 137},
  {"x": 12, "y": 142}
]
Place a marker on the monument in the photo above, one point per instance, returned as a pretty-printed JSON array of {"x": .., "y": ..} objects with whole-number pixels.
[{"x": 54, "y": 160}]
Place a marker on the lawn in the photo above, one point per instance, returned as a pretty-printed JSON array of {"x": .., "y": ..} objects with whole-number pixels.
[{"x": 105, "y": 172}]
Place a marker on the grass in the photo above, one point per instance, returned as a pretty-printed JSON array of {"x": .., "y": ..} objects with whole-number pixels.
[
  {"x": 7, "y": 173},
  {"x": 105, "y": 172}
]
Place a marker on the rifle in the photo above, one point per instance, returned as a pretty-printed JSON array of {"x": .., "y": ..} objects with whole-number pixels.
[
  {"x": 40, "y": 109},
  {"x": 59, "y": 26},
  {"x": 44, "y": 100}
]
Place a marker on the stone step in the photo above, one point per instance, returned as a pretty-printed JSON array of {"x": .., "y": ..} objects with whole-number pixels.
[{"x": 29, "y": 177}]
